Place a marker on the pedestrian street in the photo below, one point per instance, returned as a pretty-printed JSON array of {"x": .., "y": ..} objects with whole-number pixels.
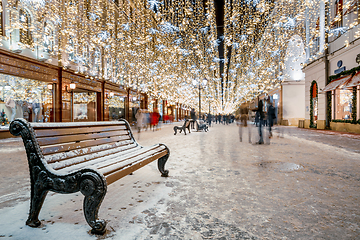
[{"x": 300, "y": 186}]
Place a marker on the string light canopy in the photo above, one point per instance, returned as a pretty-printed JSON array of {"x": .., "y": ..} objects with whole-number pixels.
[{"x": 161, "y": 46}]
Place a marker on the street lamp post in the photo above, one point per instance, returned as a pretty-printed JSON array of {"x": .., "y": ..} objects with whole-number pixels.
[{"x": 200, "y": 85}]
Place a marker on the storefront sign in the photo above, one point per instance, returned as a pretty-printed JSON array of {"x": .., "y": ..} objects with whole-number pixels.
[
  {"x": 115, "y": 88},
  {"x": 340, "y": 69},
  {"x": 82, "y": 82},
  {"x": 27, "y": 68}
]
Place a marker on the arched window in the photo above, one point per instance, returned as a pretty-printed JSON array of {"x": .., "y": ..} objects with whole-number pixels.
[
  {"x": 49, "y": 37},
  {"x": 313, "y": 104},
  {"x": 25, "y": 23}
]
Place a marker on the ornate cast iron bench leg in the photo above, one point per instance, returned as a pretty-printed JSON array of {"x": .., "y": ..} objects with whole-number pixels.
[
  {"x": 94, "y": 189},
  {"x": 37, "y": 199},
  {"x": 161, "y": 164}
]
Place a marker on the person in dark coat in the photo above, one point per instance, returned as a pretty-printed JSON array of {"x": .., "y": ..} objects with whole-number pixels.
[
  {"x": 271, "y": 116},
  {"x": 244, "y": 112},
  {"x": 209, "y": 119},
  {"x": 193, "y": 117},
  {"x": 260, "y": 115}
]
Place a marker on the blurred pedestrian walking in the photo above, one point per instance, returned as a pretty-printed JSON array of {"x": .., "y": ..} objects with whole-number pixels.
[
  {"x": 140, "y": 119},
  {"x": 209, "y": 119},
  {"x": 193, "y": 117},
  {"x": 260, "y": 116},
  {"x": 271, "y": 116},
  {"x": 155, "y": 116}
]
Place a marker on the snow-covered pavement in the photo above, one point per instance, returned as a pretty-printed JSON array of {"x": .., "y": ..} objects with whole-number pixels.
[{"x": 302, "y": 186}]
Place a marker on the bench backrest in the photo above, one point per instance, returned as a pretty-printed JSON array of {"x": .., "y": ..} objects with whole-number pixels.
[{"x": 61, "y": 141}]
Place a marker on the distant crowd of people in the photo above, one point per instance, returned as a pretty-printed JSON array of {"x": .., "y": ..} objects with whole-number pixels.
[
  {"x": 209, "y": 118},
  {"x": 151, "y": 120},
  {"x": 264, "y": 116},
  {"x": 147, "y": 120}
]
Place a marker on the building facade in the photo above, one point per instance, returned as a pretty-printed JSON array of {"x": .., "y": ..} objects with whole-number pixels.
[{"x": 331, "y": 93}]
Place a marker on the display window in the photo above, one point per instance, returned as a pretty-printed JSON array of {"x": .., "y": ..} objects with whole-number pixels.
[
  {"x": 134, "y": 105},
  {"x": 160, "y": 108},
  {"x": 150, "y": 106},
  {"x": 26, "y": 98},
  {"x": 116, "y": 105},
  {"x": 84, "y": 105},
  {"x": 343, "y": 104}
]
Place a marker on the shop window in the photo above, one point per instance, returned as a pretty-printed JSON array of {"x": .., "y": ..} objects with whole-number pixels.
[
  {"x": 343, "y": 104},
  {"x": 26, "y": 98},
  {"x": 84, "y": 107},
  {"x": 25, "y": 23},
  {"x": 49, "y": 37},
  {"x": 116, "y": 105},
  {"x": 134, "y": 106}
]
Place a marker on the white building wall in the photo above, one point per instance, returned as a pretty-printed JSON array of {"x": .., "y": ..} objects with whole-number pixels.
[
  {"x": 346, "y": 55},
  {"x": 293, "y": 100}
]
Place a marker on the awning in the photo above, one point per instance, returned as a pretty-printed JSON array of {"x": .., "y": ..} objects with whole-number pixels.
[
  {"x": 355, "y": 81},
  {"x": 336, "y": 83}
]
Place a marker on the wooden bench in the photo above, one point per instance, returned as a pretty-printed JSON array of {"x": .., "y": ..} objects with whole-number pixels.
[
  {"x": 185, "y": 126},
  {"x": 201, "y": 125},
  {"x": 85, "y": 157}
]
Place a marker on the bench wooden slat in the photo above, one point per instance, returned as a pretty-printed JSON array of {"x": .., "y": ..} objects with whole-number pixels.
[
  {"x": 109, "y": 169},
  {"x": 51, "y": 158},
  {"x": 114, "y": 163},
  {"x": 58, "y": 165},
  {"x": 79, "y": 137},
  {"x": 80, "y": 163},
  {"x": 72, "y": 146},
  {"x": 46, "y": 132},
  {"x": 112, "y": 177},
  {"x": 105, "y": 161}
]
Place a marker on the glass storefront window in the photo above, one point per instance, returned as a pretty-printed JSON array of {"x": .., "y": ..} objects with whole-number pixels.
[
  {"x": 84, "y": 108},
  {"x": 160, "y": 108},
  {"x": 134, "y": 105},
  {"x": 116, "y": 105},
  {"x": 151, "y": 105},
  {"x": 26, "y": 98},
  {"x": 343, "y": 104}
]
